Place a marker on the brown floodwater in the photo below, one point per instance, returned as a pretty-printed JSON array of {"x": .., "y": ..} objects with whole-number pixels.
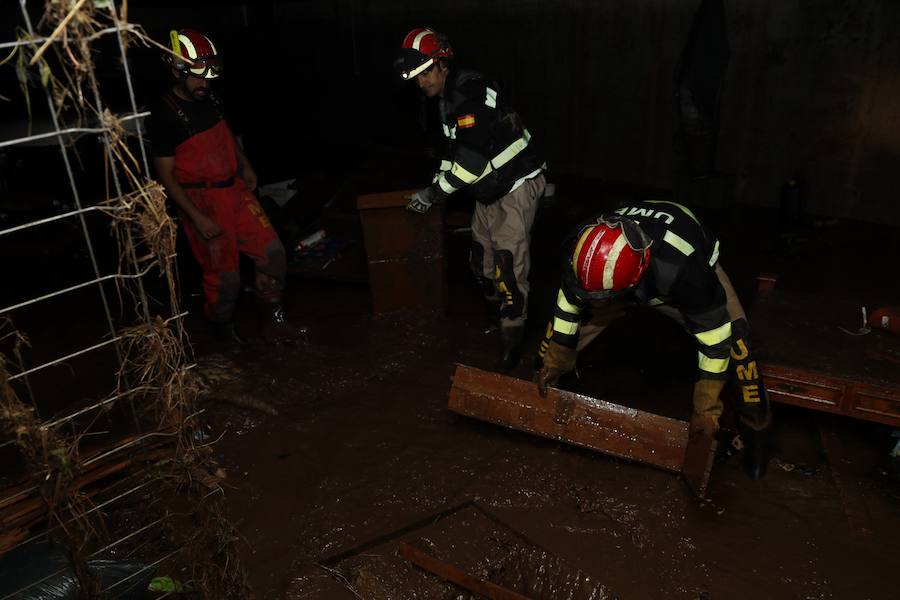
[{"x": 363, "y": 454}]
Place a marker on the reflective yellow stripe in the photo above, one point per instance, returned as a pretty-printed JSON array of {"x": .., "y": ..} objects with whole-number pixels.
[
  {"x": 464, "y": 175},
  {"x": 445, "y": 185},
  {"x": 679, "y": 243},
  {"x": 714, "y": 336},
  {"x": 490, "y": 98},
  {"x": 581, "y": 240},
  {"x": 175, "y": 43},
  {"x": 712, "y": 365},
  {"x": 565, "y": 306},
  {"x": 445, "y": 165},
  {"x": 565, "y": 327},
  {"x": 715, "y": 255},
  {"x": 655, "y": 302},
  {"x": 510, "y": 152}
]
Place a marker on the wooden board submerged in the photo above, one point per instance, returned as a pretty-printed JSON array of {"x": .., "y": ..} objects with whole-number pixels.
[{"x": 594, "y": 424}]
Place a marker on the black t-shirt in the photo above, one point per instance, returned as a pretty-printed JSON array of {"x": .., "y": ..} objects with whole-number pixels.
[{"x": 173, "y": 120}]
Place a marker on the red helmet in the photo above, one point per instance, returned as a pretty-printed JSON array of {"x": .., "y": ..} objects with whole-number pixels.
[
  {"x": 610, "y": 257},
  {"x": 419, "y": 50},
  {"x": 198, "y": 49}
]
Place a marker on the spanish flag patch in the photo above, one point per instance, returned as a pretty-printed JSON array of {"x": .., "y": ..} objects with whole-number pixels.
[{"x": 466, "y": 121}]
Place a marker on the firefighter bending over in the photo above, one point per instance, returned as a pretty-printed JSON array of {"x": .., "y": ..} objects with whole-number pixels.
[{"x": 658, "y": 254}]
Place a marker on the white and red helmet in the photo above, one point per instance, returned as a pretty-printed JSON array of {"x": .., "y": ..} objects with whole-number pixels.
[
  {"x": 420, "y": 48},
  {"x": 202, "y": 56},
  {"x": 610, "y": 257}
]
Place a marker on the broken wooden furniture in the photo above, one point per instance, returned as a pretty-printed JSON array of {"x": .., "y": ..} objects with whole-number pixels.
[
  {"x": 584, "y": 421},
  {"x": 405, "y": 252},
  {"x": 23, "y": 507},
  {"x": 814, "y": 353}
]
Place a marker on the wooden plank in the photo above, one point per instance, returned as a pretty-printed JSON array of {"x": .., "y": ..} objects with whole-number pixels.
[
  {"x": 31, "y": 505},
  {"x": 573, "y": 418},
  {"x": 27, "y": 508},
  {"x": 456, "y": 575}
]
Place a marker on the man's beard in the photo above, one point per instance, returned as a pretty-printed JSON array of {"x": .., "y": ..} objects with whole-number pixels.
[{"x": 198, "y": 94}]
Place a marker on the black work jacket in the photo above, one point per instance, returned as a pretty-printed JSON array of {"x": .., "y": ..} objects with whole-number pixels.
[
  {"x": 681, "y": 273},
  {"x": 488, "y": 150}
]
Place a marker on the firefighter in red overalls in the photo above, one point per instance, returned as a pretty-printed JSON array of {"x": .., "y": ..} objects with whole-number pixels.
[{"x": 208, "y": 177}]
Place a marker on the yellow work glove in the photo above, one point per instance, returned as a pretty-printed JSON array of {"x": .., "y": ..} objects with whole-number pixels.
[
  {"x": 558, "y": 361},
  {"x": 707, "y": 406}
]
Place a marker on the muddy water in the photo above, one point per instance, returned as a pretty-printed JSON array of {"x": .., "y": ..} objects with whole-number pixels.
[{"x": 363, "y": 446}]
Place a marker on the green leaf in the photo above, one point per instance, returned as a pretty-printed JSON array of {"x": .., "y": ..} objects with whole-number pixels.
[{"x": 165, "y": 584}]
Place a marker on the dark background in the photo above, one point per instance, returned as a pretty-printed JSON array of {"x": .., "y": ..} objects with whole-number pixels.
[{"x": 811, "y": 89}]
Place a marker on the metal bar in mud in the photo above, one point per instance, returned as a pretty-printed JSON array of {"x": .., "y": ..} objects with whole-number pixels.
[
  {"x": 454, "y": 574},
  {"x": 594, "y": 424},
  {"x": 428, "y": 520}
]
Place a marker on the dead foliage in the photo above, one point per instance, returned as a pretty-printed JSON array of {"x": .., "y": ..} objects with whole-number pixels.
[{"x": 57, "y": 59}]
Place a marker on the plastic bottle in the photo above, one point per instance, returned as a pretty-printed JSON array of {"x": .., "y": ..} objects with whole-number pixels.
[{"x": 310, "y": 240}]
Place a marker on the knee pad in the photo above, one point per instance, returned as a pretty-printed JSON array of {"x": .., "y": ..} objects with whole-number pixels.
[{"x": 511, "y": 297}]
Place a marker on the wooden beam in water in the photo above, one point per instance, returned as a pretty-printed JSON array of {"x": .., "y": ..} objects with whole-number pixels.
[{"x": 584, "y": 421}]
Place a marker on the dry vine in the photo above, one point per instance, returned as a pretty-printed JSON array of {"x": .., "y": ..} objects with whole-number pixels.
[
  {"x": 55, "y": 466},
  {"x": 155, "y": 365}
]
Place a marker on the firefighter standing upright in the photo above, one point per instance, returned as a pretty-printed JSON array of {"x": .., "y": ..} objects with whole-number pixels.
[
  {"x": 207, "y": 176},
  {"x": 657, "y": 253},
  {"x": 489, "y": 152}
]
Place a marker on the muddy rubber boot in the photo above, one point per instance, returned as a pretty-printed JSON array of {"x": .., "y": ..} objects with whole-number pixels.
[
  {"x": 274, "y": 327},
  {"x": 225, "y": 338},
  {"x": 756, "y": 450},
  {"x": 511, "y": 339}
]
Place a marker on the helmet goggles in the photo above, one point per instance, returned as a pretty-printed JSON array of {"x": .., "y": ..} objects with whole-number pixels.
[{"x": 205, "y": 68}]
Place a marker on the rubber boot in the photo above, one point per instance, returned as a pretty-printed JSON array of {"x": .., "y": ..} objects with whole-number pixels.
[
  {"x": 225, "y": 337},
  {"x": 756, "y": 449},
  {"x": 492, "y": 322},
  {"x": 274, "y": 327},
  {"x": 511, "y": 339}
]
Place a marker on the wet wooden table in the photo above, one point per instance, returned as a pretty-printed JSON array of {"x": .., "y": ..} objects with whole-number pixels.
[{"x": 813, "y": 354}]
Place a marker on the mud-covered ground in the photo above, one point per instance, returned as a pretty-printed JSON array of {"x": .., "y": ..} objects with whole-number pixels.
[{"x": 339, "y": 447}]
